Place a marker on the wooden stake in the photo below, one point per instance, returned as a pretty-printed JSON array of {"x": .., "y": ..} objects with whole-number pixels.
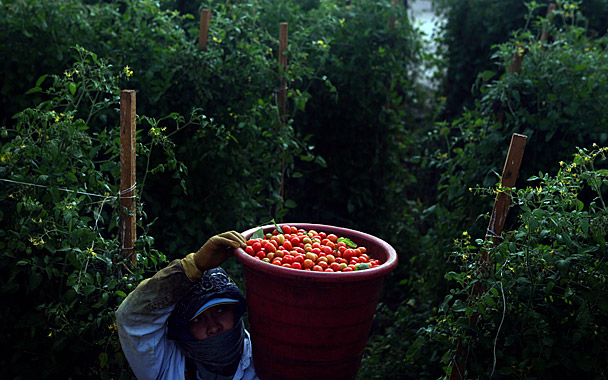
[
  {"x": 203, "y": 30},
  {"x": 545, "y": 34},
  {"x": 282, "y": 99},
  {"x": 128, "y": 233},
  {"x": 392, "y": 22},
  {"x": 493, "y": 235}
]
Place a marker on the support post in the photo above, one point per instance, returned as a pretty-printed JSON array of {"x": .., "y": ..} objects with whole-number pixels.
[
  {"x": 495, "y": 227},
  {"x": 282, "y": 97},
  {"x": 545, "y": 34},
  {"x": 203, "y": 30},
  {"x": 128, "y": 233}
]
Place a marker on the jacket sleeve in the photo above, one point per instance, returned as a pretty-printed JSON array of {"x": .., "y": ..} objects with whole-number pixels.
[{"x": 142, "y": 317}]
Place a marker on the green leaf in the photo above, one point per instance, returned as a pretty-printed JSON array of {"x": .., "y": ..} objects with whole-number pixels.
[
  {"x": 259, "y": 234},
  {"x": 33, "y": 90},
  {"x": 348, "y": 242},
  {"x": 72, "y": 87},
  {"x": 277, "y": 227},
  {"x": 103, "y": 359},
  {"x": 40, "y": 80}
]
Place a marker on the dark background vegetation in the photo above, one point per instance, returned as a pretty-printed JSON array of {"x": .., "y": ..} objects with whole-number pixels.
[{"x": 366, "y": 145}]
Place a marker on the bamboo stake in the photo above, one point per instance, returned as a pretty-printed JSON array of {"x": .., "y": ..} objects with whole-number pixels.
[
  {"x": 128, "y": 233},
  {"x": 493, "y": 235},
  {"x": 282, "y": 99},
  {"x": 203, "y": 30}
]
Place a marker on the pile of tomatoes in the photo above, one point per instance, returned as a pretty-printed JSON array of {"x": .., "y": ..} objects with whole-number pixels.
[{"x": 295, "y": 248}]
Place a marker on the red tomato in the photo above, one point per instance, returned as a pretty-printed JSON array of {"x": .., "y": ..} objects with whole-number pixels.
[
  {"x": 347, "y": 269},
  {"x": 299, "y": 258},
  {"x": 295, "y": 241},
  {"x": 250, "y": 251},
  {"x": 286, "y": 265},
  {"x": 335, "y": 266},
  {"x": 311, "y": 256},
  {"x": 288, "y": 259},
  {"x": 296, "y": 266},
  {"x": 308, "y": 263},
  {"x": 322, "y": 264},
  {"x": 326, "y": 250},
  {"x": 333, "y": 238},
  {"x": 260, "y": 254},
  {"x": 317, "y": 268},
  {"x": 322, "y": 235},
  {"x": 286, "y": 229},
  {"x": 329, "y": 270},
  {"x": 287, "y": 245},
  {"x": 270, "y": 246},
  {"x": 256, "y": 246},
  {"x": 348, "y": 254}
]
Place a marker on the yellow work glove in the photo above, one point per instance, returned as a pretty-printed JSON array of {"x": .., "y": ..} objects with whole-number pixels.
[{"x": 212, "y": 254}]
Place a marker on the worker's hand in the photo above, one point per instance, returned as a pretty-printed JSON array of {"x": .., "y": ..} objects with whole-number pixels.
[{"x": 218, "y": 249}]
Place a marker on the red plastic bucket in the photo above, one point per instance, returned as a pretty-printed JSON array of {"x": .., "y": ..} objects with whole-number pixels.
[{"x": 312, "y": 325}]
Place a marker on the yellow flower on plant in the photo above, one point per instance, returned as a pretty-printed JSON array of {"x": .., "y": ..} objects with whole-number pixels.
[
  {"x": 128, "y": 71},
  {"x": 6, "y": 157}
]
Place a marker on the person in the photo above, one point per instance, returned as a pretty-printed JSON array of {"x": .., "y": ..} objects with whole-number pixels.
[{"x": 186, "y": 321}]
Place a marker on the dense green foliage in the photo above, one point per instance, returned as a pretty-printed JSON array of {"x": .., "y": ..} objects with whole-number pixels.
[
  {"x": 542, "y": 307},
  {"x": 361, "y": 147},
  {"x": 473, "y": 28},
  {"x": 61, "y": 267},
  {"x": 554, "y": 102}
]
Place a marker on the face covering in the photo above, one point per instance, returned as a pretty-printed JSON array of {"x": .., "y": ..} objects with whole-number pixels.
[{"x": 219, "y": 354}]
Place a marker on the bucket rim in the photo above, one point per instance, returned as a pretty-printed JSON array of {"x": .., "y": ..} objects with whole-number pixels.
[{"x": 301, "y": 275}]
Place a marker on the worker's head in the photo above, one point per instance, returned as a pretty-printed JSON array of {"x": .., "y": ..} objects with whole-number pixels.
[
  {"x": 213, "y": 318},
  {"x": 207, "y": 323}
]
